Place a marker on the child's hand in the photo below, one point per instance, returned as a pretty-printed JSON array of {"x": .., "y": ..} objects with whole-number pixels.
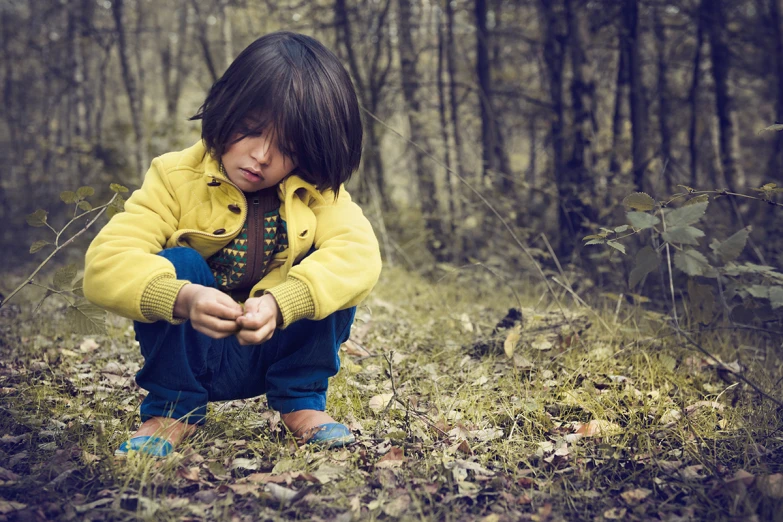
[
  {"x": 259, "y": 321},
  {"x": 210, "y": 311}
]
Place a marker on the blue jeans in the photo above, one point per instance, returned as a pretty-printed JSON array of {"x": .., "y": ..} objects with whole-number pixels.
[{"x": 184, "y": 369}]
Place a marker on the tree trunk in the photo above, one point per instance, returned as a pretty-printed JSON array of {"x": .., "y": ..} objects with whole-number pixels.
[
  {"x": 459, "y": 166},
  {"x": 422, "y": 165},
  {"x": 554, "y": 59},
  {"x": 663, "y": 99},
  {"x": 693, "y": 96},
  {"x": 776, "y": 161},
  {"x": 620, "y": 94},
  {"x": 733, "y": 175},
  {"x": 484, "y": 86},
  {"x": 637, "y": 99},
  {"x": 134, "y": 99},
  {"x": 172, "y": 57},
  {"x": 369, "y": 90},
  {"x": 228, "y": 33},
  {"x": 206, "y": 49},
  {"x": 578, "y": 174}
]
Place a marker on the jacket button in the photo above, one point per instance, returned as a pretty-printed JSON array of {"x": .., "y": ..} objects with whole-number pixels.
[
  {"x": 219, "y": 231},
  {"x": 235, "y": 209},
  {"x": 213, "y": 183}
]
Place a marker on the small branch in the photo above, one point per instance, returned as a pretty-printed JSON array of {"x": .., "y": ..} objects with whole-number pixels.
[
  {"x": 30, "y": 278},
  {"x": 739, "y": 376},
  {"x": 73, "y": 220},
  {"x": 671, "y": 274},
  {"x": 389, "y": 359}
]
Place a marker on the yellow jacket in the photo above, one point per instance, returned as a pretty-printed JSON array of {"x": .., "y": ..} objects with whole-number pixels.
[{"x": 180, "y": 204}]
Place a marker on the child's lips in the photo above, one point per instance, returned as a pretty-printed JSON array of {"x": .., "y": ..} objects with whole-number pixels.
[{"x": 251, "y": 176}]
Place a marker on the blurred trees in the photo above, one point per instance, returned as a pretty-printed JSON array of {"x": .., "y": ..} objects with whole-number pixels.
[{"x": 552, "y": 109}]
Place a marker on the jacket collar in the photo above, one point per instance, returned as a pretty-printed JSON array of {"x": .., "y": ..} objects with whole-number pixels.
[{"x": 290, "y": 185}]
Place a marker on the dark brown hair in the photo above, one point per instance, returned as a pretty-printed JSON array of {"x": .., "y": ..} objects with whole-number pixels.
[{"x": 293, "y": 86}]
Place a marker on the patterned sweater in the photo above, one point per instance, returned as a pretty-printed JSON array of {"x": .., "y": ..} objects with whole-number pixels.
[{"x": 245, "y": 260}]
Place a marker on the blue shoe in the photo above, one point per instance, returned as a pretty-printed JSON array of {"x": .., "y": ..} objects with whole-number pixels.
[
  {"x": 332, "y": 435},
  {"x": 154, "y": 446}
]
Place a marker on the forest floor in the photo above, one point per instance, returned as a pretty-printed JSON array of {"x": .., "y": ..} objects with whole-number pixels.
[{"x": 461, "y": 412}]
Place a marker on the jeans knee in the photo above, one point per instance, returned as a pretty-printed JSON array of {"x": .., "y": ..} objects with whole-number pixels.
[{"x": 189, "y": 265}]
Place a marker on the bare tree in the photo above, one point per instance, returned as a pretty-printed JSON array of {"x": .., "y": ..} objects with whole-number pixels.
[
  {"x": 371, "y": 81},
  {"x": 664, "y": 106},
  {"x": 172, "y": 50},
  {"x": 693, "y": 95},
  {"x": 131, "y": 87},
  {"x": 733, "y": 174},
  {"x": 637, "y": 98},
  {"x": 422, "y": 164}
]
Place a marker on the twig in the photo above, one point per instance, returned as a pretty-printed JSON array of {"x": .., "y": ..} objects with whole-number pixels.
[
  {"x": 739, "y": 376},
  {"x": 56, "y": 250},
  {"x": 389, "y": 359},
  {"x": 671, "y": 273}
]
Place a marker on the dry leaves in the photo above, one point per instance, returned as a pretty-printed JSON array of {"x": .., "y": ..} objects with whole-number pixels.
[{"x": 393, "y": 459}]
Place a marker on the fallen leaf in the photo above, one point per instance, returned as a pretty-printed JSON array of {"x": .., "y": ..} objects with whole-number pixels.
[
  {"x": 744, "y": 477},
  {"x": 89, "y": 345},
  {"x": 7, "y": 474},
  {"x": 633, "y": 497},
  {"x": 599, "y": 428},
  {"x": 190, "y": 474},
  {"x": 692, "y": 472},
  {"x": 615, "y": 513},
  {"x": 466, "y": 324},
  {"x": 771, "y": 485},
  {"x": 246, "y": 489},
  {"x": 328, "y": 472},
  {"x": 486, "y": 434},
  {"x": 281, "y": 493},
  {"x": 250, "y": 464},
  {"x": 703, "y": 404},
  {"x": 464, "y": 447},
  {"x": 89, "y": 458},
  {"x": 379, "y": 402},
  {"x": 398, "y": 506},
  {"x": 541, "y": 344},
  {"x": 393, "y": 459},
  {"x": 511, "y": 341},
  {"x": 8, "y": 507},
  {"x": 670, "y": 417},
  {"x": 114, "y": 368}
]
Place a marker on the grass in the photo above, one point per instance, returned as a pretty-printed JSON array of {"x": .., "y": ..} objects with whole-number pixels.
[{"x": 624, "y": 421}]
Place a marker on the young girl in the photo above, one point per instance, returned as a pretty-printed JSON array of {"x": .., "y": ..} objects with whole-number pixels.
[{"x": 254, "y": 213}]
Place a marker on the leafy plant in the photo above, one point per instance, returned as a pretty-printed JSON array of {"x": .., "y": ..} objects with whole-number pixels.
[
  {"x": 85, "y": 317},
  {"x": 758, "y": 287}
]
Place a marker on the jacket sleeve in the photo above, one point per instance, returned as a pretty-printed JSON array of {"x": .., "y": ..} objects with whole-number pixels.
[
  {"x": 342, "y": 270},
  {"x": 123, "y": 272}
]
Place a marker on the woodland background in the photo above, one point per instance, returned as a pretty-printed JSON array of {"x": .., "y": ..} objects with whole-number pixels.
[
  {"x": 498, "y": 134},
  {"x": 553, "y": 110}
]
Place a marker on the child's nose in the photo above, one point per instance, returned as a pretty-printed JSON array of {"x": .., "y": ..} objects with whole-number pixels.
[{"x": 261, "y": 153}]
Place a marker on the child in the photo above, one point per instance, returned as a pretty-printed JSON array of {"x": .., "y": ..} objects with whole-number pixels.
[{"x": 254, "y": 213}]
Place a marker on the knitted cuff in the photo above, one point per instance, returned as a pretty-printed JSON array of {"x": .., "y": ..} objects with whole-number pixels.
[
  {"x": 157, "y": 301},
  {"x": 294, "y": 300}
]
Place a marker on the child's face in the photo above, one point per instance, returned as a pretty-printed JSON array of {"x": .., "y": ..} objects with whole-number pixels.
[{"x": 254, "y": 163}]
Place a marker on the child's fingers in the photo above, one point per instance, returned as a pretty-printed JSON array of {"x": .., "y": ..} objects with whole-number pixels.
[
  {"x": 220, "y": 305},
  {"x": 222, "y": 310},
  {"x": 252, "y": 321},
  {"x": 248, "y": 337},
  {"x": 214, "y": 327}
]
